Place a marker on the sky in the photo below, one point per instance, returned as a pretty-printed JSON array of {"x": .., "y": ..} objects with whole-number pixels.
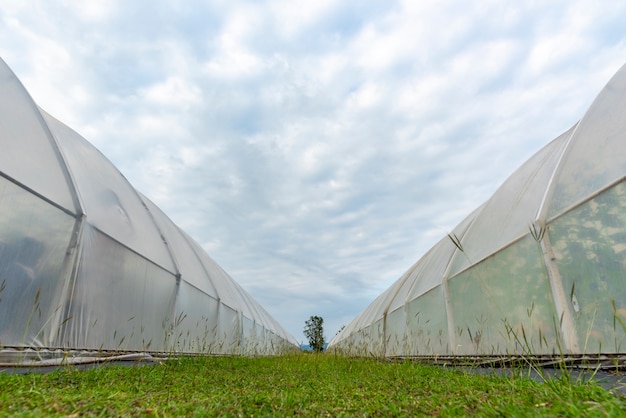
[{"x": 315, "y": 149}]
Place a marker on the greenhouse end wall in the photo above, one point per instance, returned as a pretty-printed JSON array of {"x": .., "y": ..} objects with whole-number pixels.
[
  {"x": 538, "y": 269},
  {"x": 91, "y": 267}
]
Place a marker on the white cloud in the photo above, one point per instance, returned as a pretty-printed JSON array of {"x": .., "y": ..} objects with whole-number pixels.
[
  {"x": 173, "y": 92},
  {"x": 293, "y": 17},
  {"x": 92, "y": 10}
]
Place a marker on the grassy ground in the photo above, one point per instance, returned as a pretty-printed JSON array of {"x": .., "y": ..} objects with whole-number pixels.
[{"x": 303, "y": 384}]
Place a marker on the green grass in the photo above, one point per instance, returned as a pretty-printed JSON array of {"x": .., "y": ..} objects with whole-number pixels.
[{"x": 295, "y": 385}]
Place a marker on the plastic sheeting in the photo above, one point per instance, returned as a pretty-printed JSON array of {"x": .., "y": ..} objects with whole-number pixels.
[
  {"x": 540, "y": 268},
  {"x": 88, "y": 264}
]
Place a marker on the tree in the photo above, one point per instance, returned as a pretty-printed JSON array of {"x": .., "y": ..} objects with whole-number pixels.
[{"x": 314, "y": 331}]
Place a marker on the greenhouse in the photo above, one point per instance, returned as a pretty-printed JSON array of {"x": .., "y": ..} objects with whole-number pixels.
[
  {"x": 538, "y": 269},
  {"x": 91, "y": 268}
]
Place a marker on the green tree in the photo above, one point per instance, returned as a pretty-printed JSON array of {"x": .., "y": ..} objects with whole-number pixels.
[{"x": 314, "y": 331}]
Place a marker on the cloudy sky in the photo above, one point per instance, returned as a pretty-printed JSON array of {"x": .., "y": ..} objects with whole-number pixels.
[{"x": 315, "y": 149}]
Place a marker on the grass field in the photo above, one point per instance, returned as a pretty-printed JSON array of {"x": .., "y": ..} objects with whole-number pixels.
[{"x": 295, "y": 385}]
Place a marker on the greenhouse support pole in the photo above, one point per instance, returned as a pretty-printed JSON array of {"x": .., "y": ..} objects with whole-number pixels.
[
  {"x": 449, "y": 317},
  {"x": 242, "y": 337},
  {"x": 69, "y": 271},
  {"x": 564, "y": 313},
  {"x": 384, "y": 335}
]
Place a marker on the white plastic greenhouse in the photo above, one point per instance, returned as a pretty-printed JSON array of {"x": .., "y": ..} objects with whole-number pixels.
[
  {"x": 538, "y": 269},
  {"x": 89, "y": 267}
]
